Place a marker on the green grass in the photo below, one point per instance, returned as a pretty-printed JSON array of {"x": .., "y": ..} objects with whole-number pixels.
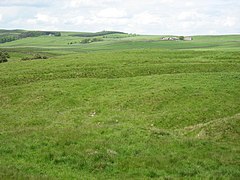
[{"x": 124, "y": 108}]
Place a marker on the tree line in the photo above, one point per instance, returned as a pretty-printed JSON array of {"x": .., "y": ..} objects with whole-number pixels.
[
  {"x": 102, "y": 33},
  {"x": 12, "y": 37}
]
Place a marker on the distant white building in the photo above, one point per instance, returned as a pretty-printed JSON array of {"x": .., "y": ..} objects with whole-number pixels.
[
  {"x": 174, "y": 38},
  {"x": 170, "y": 38},
  {"x": 187, "y": 38},
  {"x": 165, "y": 38}
]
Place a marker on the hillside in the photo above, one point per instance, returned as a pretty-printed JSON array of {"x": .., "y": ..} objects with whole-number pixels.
[
  {"x": 127, "y": 107},
  {"x": 13, "y": 35}
]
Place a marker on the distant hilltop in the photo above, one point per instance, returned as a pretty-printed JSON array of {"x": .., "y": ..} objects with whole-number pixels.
[{"x": 12, "y": 35}]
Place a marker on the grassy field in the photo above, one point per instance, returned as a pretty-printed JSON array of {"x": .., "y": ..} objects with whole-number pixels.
[{"x": 128, "y": 107}]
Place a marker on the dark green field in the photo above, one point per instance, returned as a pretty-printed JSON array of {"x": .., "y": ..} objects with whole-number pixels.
[{"x": 126, "y": 107}]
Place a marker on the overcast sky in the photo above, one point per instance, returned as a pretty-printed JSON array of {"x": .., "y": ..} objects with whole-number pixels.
[{"x": 179, "y": 17}]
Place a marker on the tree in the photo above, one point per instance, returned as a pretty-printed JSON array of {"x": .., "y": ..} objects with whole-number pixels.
[
  {"x": 3, "y": 56},
  {"x": 84, "y": 41},
  {"x": 57, "y": 34},
  {"x": 181, "y": 38}
]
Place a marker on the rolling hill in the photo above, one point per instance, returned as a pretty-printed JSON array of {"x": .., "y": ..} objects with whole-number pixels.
[{"x": 127, "y": 107}]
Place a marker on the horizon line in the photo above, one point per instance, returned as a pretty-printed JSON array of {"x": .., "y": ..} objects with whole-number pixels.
[{"x": 20, "y": 29}]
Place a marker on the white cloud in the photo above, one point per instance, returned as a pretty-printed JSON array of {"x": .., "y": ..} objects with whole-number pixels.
[
  {"x": 0, "y": 17},
  {"x": 112, "y": 13},
  {"x": 146, "y": 18},
  {"x": 79, "y": 3},
  {"x": 77, "y": 20},
  {"x": 230, "y": 21},
  {"x": 89, "y": 3},
  {"x": 46, "y": 18},
  {"x": 136, "y": 16},
  {"x": 191, "y": 15},
  {"x": 43, "y": 20},
  {"x": 31, "y": 3}
]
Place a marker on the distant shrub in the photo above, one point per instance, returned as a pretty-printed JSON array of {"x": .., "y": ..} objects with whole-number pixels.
[
  {"x": 84, "y": 41},
  {"x": 26, "y": 58},
  {"x": 88, "y": 40},
  {"x": 97, "y": 39},
  {"x": 35, "y": 56},
  {"x": 4, "y": 56}
]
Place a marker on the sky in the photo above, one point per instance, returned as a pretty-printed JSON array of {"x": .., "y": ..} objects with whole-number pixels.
[{"x": 175, "y": 17}]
